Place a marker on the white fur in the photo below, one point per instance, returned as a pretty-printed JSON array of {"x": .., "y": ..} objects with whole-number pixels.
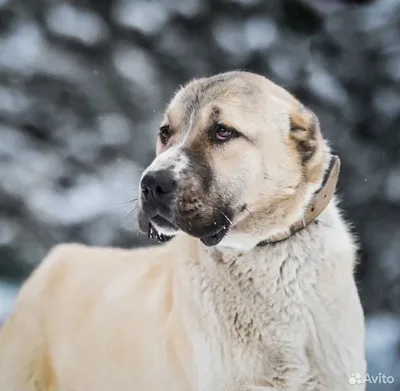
[
  {"x": 173, "y": 159},
  {"x": 290, "y": 295}
]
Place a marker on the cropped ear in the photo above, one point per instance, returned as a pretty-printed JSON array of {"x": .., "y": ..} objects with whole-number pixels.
[
  {"x": 313, "y": 150},
  {"x": 305, "y": 133}
]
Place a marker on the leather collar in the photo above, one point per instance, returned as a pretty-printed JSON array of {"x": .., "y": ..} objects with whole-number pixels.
[{"x": 319, "y": 202}]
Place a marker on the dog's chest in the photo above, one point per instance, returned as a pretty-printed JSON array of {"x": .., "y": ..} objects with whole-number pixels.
[
  {"x": 253, "y": 297},
  {"x": 254, "y": 323}
]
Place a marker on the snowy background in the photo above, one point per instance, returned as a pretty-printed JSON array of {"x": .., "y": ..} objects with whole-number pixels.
[{"x": 83, "y": 84}]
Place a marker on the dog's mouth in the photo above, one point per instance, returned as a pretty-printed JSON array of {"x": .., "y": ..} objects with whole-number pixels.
[
  {"x": 158, "y": 223},
  {"x": 152, "y": 233}
]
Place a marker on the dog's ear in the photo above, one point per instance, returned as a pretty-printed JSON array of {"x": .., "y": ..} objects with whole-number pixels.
[
  {"x": 305, "y": 133},
  {"x": 307, "y": 138}
]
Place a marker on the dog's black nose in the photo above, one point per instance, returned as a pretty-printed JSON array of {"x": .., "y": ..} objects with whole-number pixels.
[{"x": 159, "y": 184}]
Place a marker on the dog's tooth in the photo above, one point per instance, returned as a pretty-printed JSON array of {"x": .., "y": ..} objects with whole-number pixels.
[{"x": 151, "y": 232}]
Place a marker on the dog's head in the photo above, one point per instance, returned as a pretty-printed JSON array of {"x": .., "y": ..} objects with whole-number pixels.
[{"x": 238, "y": 159}]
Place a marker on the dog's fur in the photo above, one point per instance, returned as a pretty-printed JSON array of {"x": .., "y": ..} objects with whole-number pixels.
[{"x": 184, "y": 316}]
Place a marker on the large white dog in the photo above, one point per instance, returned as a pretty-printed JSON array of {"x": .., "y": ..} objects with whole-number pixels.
[{"x": 255, "y": 291}]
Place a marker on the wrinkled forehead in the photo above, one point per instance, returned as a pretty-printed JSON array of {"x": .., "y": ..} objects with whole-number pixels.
[
  {"x": 207, "y": 97},
  {"x": 232, "y": 98}
]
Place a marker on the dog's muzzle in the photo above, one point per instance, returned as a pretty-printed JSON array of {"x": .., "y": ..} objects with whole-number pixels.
[
  {"x": 158, "y": 189},
  {"x": 159, "y": 215}
]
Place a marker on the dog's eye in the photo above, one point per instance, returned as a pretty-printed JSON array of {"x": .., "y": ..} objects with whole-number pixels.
[
  {"x": 165, "y": 133},
  {"x": 221, "y": 134}
]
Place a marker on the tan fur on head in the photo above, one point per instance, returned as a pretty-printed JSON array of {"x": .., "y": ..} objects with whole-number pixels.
[{"x": 263, "y": 179}]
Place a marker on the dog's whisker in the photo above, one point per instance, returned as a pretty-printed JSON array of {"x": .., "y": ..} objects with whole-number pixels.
[
  {"x": 134, "y": 212},
  {"x": 229, "y": 220},
  {"x": 128, "y": 215},
  {"x": 303, "y": 220},
  {"x": 126, "y": 202},
  {"x": 251, "y": 215}
]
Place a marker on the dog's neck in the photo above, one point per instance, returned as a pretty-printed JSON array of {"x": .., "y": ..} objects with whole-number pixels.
[
  {"x": 318, "y": 203},
  {"x": 320, "y": 200}
]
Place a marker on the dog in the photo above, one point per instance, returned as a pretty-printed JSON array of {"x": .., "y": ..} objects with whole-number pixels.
[{"x": 253, "y": 289}]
